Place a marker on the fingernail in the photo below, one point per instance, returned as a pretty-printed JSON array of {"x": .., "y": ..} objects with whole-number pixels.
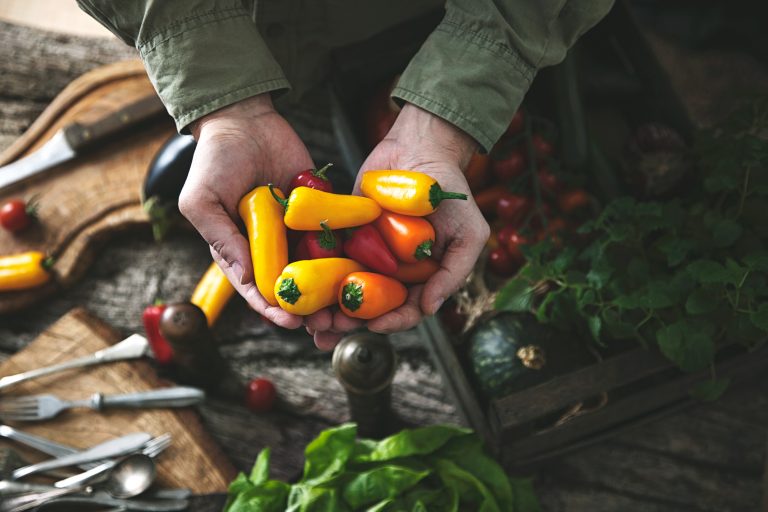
[{"x": 237, "y": 268}]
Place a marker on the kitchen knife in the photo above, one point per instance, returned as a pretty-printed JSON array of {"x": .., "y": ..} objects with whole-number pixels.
[
  {"x": 73, "y": 138},
  {"x": 112, "y": 448}
]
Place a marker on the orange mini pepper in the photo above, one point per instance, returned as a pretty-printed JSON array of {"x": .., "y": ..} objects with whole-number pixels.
[
  {"x": 409, "y": 238},
  {"x": 212, "y": 293},
  {"x": 307, "y": 286},
  {"x": 24, "y": 270},
  {"x": 407, "y": 192},
  {"x": 369, "y": 295},
  {"x": 307, "y": 207},
  {"x": 415, "y": 273},
  {"x": 263, "y": 219}
]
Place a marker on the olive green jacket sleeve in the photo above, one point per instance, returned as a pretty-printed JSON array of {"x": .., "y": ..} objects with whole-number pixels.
[
  {"x": 201, "y": 55},
  {"x": 477, "y": 65}
]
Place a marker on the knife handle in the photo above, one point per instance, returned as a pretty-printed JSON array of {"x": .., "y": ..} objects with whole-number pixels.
[{"x": 80, "y": 135}]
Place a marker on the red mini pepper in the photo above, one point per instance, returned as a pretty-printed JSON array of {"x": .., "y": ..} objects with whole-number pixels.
[
  {"x": 365, "y": 245},
  {"x": 321, "y": 244},
  {"x": 312, "y": 178},
  {"x": 160, "y": 346}
]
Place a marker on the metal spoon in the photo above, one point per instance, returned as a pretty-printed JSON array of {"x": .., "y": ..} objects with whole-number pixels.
[{"x": 130, "y": 477}]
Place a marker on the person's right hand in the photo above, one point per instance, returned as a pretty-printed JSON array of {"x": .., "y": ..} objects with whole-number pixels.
[{"x": 238, "y": 148}]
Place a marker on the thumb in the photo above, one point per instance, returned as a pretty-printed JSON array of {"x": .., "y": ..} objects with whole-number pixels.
[{"x": 218, "y": 229}]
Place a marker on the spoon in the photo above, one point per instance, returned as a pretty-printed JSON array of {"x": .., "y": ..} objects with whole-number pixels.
[{"x": 130, "y": 477}]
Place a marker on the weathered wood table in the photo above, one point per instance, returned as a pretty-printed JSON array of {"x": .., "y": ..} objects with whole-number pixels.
[{"x": 708, "y": 458}]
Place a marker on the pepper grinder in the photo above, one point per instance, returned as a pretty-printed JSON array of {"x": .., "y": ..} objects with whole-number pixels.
[
  {"x": 364, "y": 364},
  {"x": 195, "y": 352}
]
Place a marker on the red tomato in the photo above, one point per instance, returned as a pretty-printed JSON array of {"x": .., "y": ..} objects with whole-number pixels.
[
  {"x": 511, "y": 167},
  {"x": 516, "y": 124},
  {"x": 16, "y": 215},
  {"x": 542, "y": 148},
  {"x": 548, "y": 181},
  {"x": 260, "y": 395},
  {"x": 504, "y": 233},
  {"x": 571, "y": 201},
  {"x": 513, "y": 247},
  {"x": 512, "y": 208},
  {"x": 500, "y": 262},
  {"x": 554, "y": 230}
]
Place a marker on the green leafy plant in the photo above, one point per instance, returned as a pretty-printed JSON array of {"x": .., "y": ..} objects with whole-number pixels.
[
  {"x": 686, "y": 274},
  {"x": 435, "y": 468}
]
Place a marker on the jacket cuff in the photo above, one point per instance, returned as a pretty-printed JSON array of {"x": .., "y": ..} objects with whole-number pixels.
[
  {"x": 482, "y": 95},
  {"x": 209, "y": 61}
]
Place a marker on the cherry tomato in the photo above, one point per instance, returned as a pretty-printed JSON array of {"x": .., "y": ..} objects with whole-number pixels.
[
  {"x": 504, "y": 233},
  {"x": 542, "y": 148},
  {"x": 512, "y": 208},
  {"x": 500, "y": 262},
  {"x": 571, "y": 201},
  {"x": 511, "y": 167},
  {"x": 516, "y": 124},
  {"x": 553, "y": 231},
  {"x": 548, "y": 181},
  {"x": 260, "y": 395},
  {"x": 513, "y": 247},
  {"x": 16, "y": 215}
]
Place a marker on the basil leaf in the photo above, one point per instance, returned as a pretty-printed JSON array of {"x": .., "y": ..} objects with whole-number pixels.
[
  {"x": 270, "y": 496},
  {"x": 260, "y": 471},
  {"x": 471, "y": 490},
  {"x": 308, "y": 498},
  {"x": 419, "y": 441},
  {"x": 381, "y": 483},
  {"x": 326, "y": 456}
]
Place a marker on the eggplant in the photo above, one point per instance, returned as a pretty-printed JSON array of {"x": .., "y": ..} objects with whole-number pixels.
[{"x": 169, "y": 169}]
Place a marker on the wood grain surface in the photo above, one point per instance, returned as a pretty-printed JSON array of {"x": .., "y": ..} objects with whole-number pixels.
[
  {"x": 193, "y": 460},
  {"x": 86, "y": 200}
]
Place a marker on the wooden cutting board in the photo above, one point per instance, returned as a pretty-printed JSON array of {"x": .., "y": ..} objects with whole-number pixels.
[
  {"x": 193, "y": 460},
  {"x": 88, "y": 199}
]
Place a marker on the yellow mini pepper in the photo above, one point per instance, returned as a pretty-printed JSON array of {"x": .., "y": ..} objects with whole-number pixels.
[
  {"x": 212, "y": 293},
  {"x": 405, "y": 192},
  {"x": 263, "y": 219},
  {"x": 307, "y": 207},
  {"x": 308, "y": 286},
  {"x": 24, "y": 270}
]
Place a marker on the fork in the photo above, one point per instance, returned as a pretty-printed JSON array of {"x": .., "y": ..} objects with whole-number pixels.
[{"x": 43, "y": 407}]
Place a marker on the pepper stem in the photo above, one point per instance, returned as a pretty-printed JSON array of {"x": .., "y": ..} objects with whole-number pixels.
[
  {"x": 288, "y": 291},
  {"x": 327, "y": 240},
  {"x": 352, "y": 296},
  {"x": 47, "y": 263},
  {"x": 283, "y": 202},
  {"x": 436, "y": 195},
  {"x": 424, "y": 250},
  {"x": 320, "y": 173}
]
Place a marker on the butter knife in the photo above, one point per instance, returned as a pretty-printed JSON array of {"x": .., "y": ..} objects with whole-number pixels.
[
  {"x": 112, "y": 448},
  {"x": 132, "y": 347}
]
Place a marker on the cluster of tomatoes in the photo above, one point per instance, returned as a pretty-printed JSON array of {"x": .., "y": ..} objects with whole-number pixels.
[{"x": 523, "y": 200}]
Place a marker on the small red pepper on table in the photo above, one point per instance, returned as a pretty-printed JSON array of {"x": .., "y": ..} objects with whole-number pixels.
[
  {"x": 312, "y": 178},
  {"x": 366, "y": 246},
  {"x": 160, "y": 346}
]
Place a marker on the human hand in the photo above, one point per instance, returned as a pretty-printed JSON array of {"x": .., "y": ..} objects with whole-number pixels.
[
  {"x": 239, "y": 147},
  {"x": 421, "y": 141}
]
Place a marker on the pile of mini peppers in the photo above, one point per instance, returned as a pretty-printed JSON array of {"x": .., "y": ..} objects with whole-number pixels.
[{"x": 359, "y": 252}]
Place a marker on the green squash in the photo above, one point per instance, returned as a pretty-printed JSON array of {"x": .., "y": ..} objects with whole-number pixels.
[{"x": 511, "y": 352}]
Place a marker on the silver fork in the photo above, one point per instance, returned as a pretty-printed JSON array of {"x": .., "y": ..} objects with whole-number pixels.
[
  {"x": 153, "y": 448},
  {"x": 43, "y": 407}
]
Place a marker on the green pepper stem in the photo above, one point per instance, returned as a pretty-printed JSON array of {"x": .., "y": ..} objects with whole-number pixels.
[
  {"x": 326, "y": 239},
  {"x": 352, "y": 296},
  {"x": 424, "y": 250},
  {"x": 47, "y": 263},
  {"x": 320, "y": 173},
  {"x": 436, "y": 195},
  {"x": 288, "y": 291},
  {"x": 283, "y": 202}
]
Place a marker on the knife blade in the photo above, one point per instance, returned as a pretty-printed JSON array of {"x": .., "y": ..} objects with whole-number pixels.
[
  {"x": 112, "y": 448},
  {"x": 72, "y": 139}
]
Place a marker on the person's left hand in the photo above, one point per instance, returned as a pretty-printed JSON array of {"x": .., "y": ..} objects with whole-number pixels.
[{"x": 421, "y": 141}]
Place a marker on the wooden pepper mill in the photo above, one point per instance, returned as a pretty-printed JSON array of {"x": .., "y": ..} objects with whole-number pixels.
[
  {"x": 365, "y": 364},
  {"x": 195, "y": 352}
]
